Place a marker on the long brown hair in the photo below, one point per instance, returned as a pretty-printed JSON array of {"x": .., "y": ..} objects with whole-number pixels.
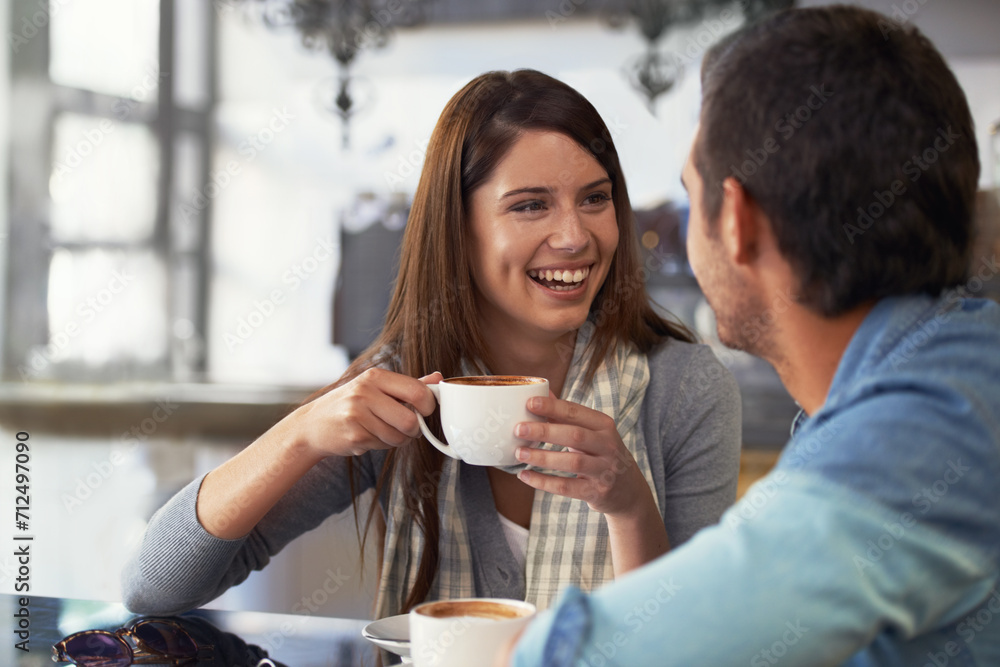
[{"x": 430, "y": 324}]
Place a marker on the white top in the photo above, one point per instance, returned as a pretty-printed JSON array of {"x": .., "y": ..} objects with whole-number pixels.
[{"x": 517, "y": 539}]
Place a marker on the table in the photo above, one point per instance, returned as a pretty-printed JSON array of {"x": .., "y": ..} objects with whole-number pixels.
[{"x": 296, "y": 641}]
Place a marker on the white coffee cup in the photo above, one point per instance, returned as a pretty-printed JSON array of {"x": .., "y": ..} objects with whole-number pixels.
[
  {"x": 466, "y": 631},
  {"x": 478, "y": 415}
]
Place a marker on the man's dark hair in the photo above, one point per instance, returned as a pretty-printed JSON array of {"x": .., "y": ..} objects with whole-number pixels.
[{"x": 852, "y": 135}]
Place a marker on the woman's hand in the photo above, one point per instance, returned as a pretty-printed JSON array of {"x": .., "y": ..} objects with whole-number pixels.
[
  {"x": 607, "y": 477},
  {"x": 369, "y": 412},
  {"x": 372, "y": 411}
]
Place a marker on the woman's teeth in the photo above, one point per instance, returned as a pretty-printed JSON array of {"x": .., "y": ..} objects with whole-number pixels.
[{"x": 560, "y": 280}]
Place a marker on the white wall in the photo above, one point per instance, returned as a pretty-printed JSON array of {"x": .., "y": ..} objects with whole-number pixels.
[{"x": 980, "y": 79}]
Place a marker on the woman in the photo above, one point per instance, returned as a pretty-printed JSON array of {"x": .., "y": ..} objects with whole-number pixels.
[{"x": 519, "y": 258}]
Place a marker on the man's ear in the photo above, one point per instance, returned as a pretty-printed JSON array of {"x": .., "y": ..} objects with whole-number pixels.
[{"x": 739, "y": 222}]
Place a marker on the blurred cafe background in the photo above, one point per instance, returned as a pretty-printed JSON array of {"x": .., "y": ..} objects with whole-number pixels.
[{"x": 201, "y": 204}]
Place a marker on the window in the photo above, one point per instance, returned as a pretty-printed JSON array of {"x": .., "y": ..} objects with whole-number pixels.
[{"x": 107, "y": 267}]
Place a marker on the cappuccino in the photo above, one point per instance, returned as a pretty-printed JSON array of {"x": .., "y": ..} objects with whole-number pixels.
[
  {"x": 465, "y": 631},
  {"x": 496, "y": 611},
  {"x": 495, "y": 380}
]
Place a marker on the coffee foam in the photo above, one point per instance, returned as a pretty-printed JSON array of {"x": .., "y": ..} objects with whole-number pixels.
[
  {"x": 495, "y": 380},
  {"x": 495, "y": 611}
]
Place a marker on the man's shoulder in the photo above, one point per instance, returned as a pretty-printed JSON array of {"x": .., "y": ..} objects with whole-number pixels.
[
  {"x": 892, "y": 430},
  {"x": 919, "y": 334},
  {"x": 918, "y": 363},
  {"x": 946, "y": 344}
]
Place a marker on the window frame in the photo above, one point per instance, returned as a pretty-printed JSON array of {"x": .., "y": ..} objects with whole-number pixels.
[{"x": 30, "y": 244}]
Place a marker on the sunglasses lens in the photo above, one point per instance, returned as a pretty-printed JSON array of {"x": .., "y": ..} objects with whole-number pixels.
[
  {"x": 165, "y": 639},
  {"x": 98, "y": 649}
]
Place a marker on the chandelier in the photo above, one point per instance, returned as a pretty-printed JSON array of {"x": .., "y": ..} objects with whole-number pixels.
[
  {"x": 343, "y": 29},
  {"x": 656, "y": 71}
]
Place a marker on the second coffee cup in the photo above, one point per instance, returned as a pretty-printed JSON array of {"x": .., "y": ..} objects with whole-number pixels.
[
  {"x": 478, "y": 415},
  {"x": 465, "y": 632}
]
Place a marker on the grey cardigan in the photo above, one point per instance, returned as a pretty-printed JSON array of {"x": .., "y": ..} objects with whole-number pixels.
[{"x": 691, "y": 410}]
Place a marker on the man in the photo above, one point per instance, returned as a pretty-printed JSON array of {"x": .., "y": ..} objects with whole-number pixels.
[{"x": 832, "y": 184}]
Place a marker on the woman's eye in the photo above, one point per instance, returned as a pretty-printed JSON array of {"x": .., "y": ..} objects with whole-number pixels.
[
  {"x": 596, "y": 198},
  {"x": 529, "y": 206}
]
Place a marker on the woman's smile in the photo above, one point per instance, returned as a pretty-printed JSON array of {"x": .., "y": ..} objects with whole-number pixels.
[{"x": 561, "y": 279}]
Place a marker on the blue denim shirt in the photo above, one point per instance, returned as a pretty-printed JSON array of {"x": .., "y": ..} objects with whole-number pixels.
[{"x": 874, "y": 541}]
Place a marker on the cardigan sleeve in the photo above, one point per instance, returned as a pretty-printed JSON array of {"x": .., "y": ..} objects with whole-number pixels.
[{"x": 179, "y": 565}]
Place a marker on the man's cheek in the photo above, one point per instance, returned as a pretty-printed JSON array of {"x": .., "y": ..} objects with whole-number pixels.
[{"x": 694, "y": 256}]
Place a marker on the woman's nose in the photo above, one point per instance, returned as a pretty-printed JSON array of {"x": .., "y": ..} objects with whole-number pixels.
[{"x": 570, "y": 233}]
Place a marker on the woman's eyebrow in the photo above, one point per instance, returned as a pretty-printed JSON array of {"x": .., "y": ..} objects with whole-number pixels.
[
  {"x": 521, "y": 191},
  {"x": 600, "y": 181},
  {"x": 546, "y": 190}
]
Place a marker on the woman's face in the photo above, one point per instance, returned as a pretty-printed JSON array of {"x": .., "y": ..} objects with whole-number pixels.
[{"x": 543, "y": 232}]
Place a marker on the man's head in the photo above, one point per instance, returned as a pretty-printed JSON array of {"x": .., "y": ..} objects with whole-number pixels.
[{"x": 848, "y": 133}]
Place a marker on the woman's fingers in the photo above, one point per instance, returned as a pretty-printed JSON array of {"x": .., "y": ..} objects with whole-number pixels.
[
  {"x": 398, "y": 417},
  {"x": 356, "y": 422},
  {"x": 388, "y": 398},
  {"x": 610, "y": 485},
  {"x": 570, "y": 487},
  {"x": 605, "y": 475},
  {"x": 403, "y": 388},
  {"x": 577, "y": 438},
  {"x": 372, "y": 411},
  {"x": 567, "y": 412},
  {"x": 563, "y": 461}
]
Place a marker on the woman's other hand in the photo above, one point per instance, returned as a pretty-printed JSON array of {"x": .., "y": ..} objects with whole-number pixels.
[
  {"x": 372, "y": 411},
  {"x": 607, "y": 477}
]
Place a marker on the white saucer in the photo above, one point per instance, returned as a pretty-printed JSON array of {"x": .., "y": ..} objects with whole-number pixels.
[{"x": 391, "y": 633}]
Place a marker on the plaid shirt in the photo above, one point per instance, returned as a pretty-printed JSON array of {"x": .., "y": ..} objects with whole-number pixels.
[{"x": 567, "y": 543}]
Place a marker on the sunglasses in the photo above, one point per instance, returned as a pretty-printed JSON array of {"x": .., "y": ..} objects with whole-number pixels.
[{"x": 150, "y": 641}]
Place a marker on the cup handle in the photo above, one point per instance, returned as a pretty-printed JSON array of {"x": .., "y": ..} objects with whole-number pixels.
[{"x": 443, "y": 448}]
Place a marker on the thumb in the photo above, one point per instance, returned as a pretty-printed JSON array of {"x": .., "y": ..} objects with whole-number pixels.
[
  {"x": 428, "y": 403},
  {"x": 433, "y": 378}
]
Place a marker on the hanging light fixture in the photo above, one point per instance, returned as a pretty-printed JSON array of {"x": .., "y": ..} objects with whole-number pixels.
[
  {"x": 342, "y": 29},
  {"x": 345, "y": 28},
  {"x": 656, "y": 71}
]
